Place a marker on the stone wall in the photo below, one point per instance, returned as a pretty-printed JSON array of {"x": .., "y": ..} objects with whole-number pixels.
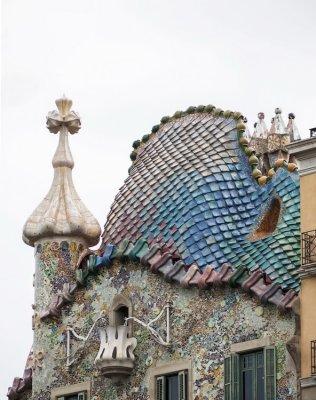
[{"x": 204, "y": 325}]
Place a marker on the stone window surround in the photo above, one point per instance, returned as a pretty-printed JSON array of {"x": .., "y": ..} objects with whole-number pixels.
[
  {"x": 118, "y": 301},
  {"x": 170, "y": 367},
  {"x": 250, "y": 345},
  {"x": 72, "y": 389}
]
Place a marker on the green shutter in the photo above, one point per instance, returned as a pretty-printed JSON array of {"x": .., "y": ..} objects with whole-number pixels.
[
  {"x": 82, "y": 396},
  {"x": 235, "y": 377},
  {"x": 227, "y": 378},
  {"x": 231, "y": 377},
  {"x": 182, "y": 385},
  {"x": 160, "y": 388},
  {"x": 269, "y": 373}
]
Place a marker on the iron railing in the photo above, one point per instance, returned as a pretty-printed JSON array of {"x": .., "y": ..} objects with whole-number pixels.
[
  {"x": 308, "y": 247},
  {"x": 313, "y": 357}
]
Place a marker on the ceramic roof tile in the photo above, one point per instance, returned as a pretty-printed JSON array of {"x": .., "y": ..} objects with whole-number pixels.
[{"x": 197, "y": 191}]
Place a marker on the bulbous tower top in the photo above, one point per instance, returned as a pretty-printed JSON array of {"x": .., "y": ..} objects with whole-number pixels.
[{"x": 62, "y": 213}]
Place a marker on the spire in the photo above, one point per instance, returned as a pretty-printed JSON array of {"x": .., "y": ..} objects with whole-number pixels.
[
  {"x": 261, "y": 130},
  {"x": 292, "y": 129},
  {"x": 247, "y": 134},
  {"x": 62, "y": 213},
  {"x": 277, "y": 123}
]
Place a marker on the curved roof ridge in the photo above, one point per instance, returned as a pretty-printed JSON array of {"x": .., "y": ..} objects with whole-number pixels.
[
  {"x": 160, "y": 260},
  {"x": 208, "y": 109}
]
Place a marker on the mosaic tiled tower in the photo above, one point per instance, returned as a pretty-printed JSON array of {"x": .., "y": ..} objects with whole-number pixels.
[{"x": 59, "y": 229}]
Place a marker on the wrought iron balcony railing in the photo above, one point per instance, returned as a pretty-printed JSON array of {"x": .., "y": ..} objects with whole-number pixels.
[
  {"x": 313, "y": 357},
  {"x": 308, "y": 247}
]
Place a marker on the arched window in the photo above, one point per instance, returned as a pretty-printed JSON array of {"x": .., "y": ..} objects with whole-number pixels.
[
  {"x": 269, "y": 220},
  {"x": 120, "y": 314},
  {"x": 121, "y": 308}
]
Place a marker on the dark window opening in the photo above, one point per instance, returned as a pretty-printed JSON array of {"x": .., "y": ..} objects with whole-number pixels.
[
  {"x": 269, "y": 220},
  {"x": 120, "y": 314},
  {"x": 252, "y": 376},
  {"x": 313, "y": 357},
  {"x": 77, "y": 396},
  {"x": 172, "y": 386}
]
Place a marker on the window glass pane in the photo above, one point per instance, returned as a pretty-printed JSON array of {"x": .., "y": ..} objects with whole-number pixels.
[
  {"x": 247, "y": 383},
  {"x": 172, "y": 387},
  {"x": 260, "y": 377},
  {"x": 72, "y": 397},
  {"x": 252, "y": 376}
]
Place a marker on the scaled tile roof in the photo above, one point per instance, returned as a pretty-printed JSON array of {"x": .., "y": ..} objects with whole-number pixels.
[{"x": 191, "y": 188}]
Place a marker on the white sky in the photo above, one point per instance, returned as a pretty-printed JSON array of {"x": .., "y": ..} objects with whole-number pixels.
[{"x": 125, "y": 64}]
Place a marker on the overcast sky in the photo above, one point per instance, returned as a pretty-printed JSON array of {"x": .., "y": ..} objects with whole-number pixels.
[{"x": 125, "y": 64}]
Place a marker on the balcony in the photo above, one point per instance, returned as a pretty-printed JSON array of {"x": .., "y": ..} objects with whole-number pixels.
[
  {"x": 308, "y": 246},
  {"x": 115, "y": 358}
]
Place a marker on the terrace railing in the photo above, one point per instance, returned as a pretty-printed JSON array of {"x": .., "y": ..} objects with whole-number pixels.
[{"x": 308, "y": 247}]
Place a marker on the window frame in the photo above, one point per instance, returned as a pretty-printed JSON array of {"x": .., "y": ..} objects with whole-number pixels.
[
  {"x": 170, "y": 368},
  {"x": 77, "y": 388},
  {"x": 239, "y": 349},
  {"x": 119, "y": 301}
]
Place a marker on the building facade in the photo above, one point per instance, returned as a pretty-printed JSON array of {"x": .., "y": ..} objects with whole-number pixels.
[{"x": 199, "y": 288}]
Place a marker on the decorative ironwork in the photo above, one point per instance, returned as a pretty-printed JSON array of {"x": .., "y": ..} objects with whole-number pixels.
[
  {"x": 308, "y": 246},
  {"x": 313, "y": 357},
  {"x": 71, "y": 357},
  {"x": 157, "y": 337}
]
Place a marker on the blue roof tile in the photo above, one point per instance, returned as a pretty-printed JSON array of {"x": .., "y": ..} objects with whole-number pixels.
[{"x": 205, "y": 201}]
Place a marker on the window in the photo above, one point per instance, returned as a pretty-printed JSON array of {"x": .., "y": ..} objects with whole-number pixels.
[
  {"x": 251, "y": 370},
  {"x": 78, "y": 391},
  {"x": 78, "y": 396},
  {"x": 251, "y": 375},
  {"x": 269, "y": 220},
  {"x": 171, "y": 381},
  {"x": 120, "y": 314},
  {"x": 313, "y": 357},
  {"x": 121, "y": 308},
  {"x": 172, "y": 386}
]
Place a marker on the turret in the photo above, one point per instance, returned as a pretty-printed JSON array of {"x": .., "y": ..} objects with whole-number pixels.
[{"x": 59, "y": 229}]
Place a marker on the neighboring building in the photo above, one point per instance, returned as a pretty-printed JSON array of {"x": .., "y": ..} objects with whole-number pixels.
[{"x": 195, "y": 292}]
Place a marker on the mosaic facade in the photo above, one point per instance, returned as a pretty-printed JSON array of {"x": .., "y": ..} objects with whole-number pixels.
[
  {"x": 198, "y": 224},
  {"x": 204, "y": 324}
]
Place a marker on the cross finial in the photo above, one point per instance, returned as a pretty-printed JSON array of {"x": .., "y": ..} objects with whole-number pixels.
[{"x": 55, "y": 120}]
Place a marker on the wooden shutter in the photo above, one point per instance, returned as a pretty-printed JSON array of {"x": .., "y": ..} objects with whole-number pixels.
[
  {"x": 231, "y": 377},
  {"x": 227, "y": 378},
  {"x": 160, "y": 388},
  {"x": 269, "y": 373},
  {"x": 235, "y": 377},
  {"x": 182, "y": 385}
]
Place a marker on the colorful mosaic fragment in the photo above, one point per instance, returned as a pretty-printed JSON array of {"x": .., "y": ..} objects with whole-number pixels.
[
  {"x": 192, "y": 189},
  {"x": 22, "y": 386},
  {"x": 160, "y": 260}
]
